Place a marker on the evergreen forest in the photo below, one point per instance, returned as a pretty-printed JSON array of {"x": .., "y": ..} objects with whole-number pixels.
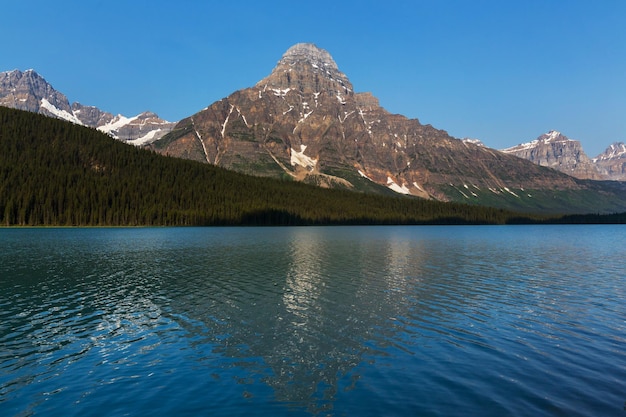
[{"x": 54, "y": 173}]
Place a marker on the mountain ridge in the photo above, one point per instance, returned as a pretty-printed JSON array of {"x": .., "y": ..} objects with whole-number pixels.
[
  {"x": 304, "y": 121},
  {"x": 147, "y": 127},
  {"x": 557, "y": 151},
  {"x": 31, "y": 92}
]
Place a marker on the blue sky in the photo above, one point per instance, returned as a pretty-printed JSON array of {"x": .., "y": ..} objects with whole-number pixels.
[{"x": 502, "y": 71}]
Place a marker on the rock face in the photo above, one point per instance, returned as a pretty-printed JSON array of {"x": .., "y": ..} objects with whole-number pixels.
[
  {"x": 554, "y": 150},
  {"x": 612, "y": 162},
  {"x": 304, "y": 120},
  {"x": 91, "y": 115},
  {"x": 31, "y": 92}
]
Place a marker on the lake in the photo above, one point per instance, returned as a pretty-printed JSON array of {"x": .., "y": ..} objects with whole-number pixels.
[{"x": 314, "y": 321}]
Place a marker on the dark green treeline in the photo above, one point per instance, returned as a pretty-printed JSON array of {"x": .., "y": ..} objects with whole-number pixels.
[{"x": 56, "y": 173}]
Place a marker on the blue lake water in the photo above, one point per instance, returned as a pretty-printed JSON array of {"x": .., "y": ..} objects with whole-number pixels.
[{"x": 323, "y": 321}]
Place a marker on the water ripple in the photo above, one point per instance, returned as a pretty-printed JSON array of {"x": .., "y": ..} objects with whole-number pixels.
[{"x": 312, "y": 321}]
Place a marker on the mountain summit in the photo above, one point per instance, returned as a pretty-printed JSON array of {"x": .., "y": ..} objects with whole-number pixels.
[
  {"x": 310, "y": 54},
  {"x": 31, "y": 92},
  {"x": 304, "y": 121},
  {"x": 557, "y": 151},
  {"x": 612, "y": 162},
  {"x": 308, "y": 69}
]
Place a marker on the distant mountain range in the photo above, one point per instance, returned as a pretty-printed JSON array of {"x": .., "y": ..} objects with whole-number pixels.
[
  {"x": 29, "y": 91},
  {"x": 305, "y": 122},
  {"x": 557, "y": 151}
]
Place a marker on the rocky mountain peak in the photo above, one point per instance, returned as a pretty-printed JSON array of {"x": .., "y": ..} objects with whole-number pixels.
[
  {"x": 30, "y": 91},
  {"x": 557, "y": 151},
  {"x": 553, "y": 136},
  {"x": 612, "y": 162},
  {"x": 309, "y": 53},
  {"x": 308, "y": 69},
  {"x": 616, "y": 150}
]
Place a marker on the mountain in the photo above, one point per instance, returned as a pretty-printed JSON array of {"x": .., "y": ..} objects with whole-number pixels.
[
  {"x": 612, "y": 162},
  {"x": 557, "y": 151},
  {"x": 31, "y": 92},
  {"x": 305, "y": 121},
  {"x": 53, "y": 172}
]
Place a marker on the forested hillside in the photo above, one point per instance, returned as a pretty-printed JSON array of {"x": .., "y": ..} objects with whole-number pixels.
[{"x": 56, "y": 173}]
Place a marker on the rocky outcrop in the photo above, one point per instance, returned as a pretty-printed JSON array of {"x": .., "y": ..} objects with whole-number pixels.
[
  {"x": 91, "y": 115},
  {"x": 554, "y": 150},
  {"x": 304, "y": 120},
  {"x": 31, "y": 92},
  {"x": 612, "y": 162}
]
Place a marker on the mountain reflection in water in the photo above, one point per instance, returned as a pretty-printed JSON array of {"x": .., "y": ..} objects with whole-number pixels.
[{"x": 313, "y": 321}]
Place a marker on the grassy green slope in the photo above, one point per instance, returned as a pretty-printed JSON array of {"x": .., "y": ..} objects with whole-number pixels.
[{"x": 603, "y": 197}]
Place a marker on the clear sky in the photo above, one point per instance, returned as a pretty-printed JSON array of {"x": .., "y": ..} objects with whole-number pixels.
[{"x": 502, "y": 71}]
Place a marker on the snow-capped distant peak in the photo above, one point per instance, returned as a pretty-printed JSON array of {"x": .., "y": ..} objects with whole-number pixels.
[
  {"x": 616, "y": 150},
  {"x": 551, "y": 135}
]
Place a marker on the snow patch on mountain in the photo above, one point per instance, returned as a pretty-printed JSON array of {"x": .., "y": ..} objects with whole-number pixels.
[
  {"x": 476, "y": 142},
  {"x": 61, "y": 114},
  {"x": 391, "y": 184},
  {"x": 117, "y": 123},
  {"x": 299, "y": 158},
  {"x": 147, "y": 138}
]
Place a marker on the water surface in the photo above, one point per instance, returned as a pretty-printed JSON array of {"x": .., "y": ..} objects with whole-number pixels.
[{"x": 368, "y": 321}]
